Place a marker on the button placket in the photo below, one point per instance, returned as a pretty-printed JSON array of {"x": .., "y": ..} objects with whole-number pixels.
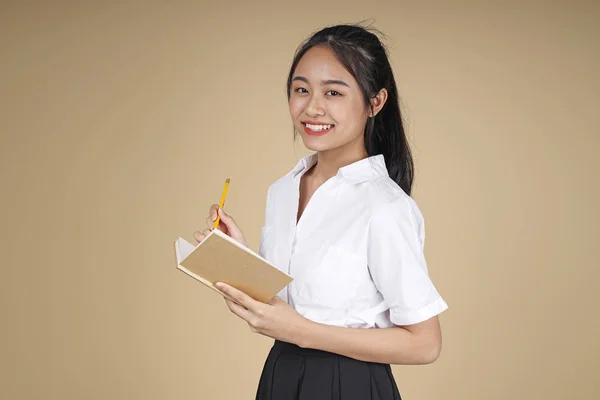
[{"x": 321, "y": 198}]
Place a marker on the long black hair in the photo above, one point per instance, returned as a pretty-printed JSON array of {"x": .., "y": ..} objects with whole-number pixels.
[{"x": 361, "y": 52}]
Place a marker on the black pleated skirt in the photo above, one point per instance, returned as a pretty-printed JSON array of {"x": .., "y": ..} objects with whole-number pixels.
[{"x": 294, "y": 373}]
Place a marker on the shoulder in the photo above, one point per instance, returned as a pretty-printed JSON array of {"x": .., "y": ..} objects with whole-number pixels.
[
  {"x": 385, "y": 195},
  {"x": 389, "y": 203}
]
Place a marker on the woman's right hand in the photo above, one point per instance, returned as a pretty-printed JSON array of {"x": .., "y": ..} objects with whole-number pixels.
[{"x": 227, "y": 225}]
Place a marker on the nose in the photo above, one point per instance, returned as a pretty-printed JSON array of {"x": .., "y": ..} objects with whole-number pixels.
[{"x": 314, "y": 108}]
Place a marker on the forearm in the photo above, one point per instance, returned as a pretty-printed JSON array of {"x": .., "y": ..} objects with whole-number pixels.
[{"x": 388, "y": 345}]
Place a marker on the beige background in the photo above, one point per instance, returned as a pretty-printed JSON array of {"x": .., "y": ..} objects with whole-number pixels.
[{"x": 119, "y": 124}]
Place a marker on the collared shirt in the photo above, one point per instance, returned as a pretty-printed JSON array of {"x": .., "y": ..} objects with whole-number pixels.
[{"x": 356, "y": 253}]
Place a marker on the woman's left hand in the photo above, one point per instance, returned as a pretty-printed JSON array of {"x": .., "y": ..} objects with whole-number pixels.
[{"x": 275, "y": 319}]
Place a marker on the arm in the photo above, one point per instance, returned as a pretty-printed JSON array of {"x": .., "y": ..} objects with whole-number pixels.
[
  {"x": 399, "y": 272},
  {"x": 420, "y": 343}
]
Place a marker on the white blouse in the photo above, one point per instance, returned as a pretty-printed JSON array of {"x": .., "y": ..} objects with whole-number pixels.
[{"x": 356, "y": 254}]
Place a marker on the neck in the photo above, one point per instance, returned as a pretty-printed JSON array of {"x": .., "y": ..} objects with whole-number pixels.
[{"x": 330, "y": 161}]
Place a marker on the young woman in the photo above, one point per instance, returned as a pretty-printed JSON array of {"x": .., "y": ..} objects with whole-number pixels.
[{"x": 343, "y": 224}]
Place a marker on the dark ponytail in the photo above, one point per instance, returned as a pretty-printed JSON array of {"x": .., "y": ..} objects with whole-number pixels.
[{"x": 363, "y": 55}]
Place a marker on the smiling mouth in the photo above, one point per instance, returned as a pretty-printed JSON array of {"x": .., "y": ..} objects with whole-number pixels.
[{"x": 317, "y": 129}]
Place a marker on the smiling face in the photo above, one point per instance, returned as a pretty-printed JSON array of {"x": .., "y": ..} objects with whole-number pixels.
[{"x": 326, "y": 103}]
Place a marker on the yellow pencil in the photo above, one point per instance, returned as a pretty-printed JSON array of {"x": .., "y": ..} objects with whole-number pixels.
[{"x": 222, "y": 202}]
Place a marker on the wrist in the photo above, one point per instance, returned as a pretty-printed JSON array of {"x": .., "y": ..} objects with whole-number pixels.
[{"x": 307, "y": 334}]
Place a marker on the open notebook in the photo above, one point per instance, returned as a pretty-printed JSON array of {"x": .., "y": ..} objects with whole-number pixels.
[{"x": 219, "y": 258}]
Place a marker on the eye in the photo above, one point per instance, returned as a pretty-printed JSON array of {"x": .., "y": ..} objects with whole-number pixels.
[
  {"x": 300, "y": 90},
  {"x": 334, "y": 93}
]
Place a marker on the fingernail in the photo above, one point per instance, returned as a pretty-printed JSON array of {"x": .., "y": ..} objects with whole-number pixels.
[{"x": 219, "y": 285}]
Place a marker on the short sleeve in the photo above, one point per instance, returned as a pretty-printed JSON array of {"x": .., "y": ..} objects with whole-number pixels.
[{"x": 397, "y": 263}]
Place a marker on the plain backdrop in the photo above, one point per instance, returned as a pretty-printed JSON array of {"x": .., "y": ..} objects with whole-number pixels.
[{"x": 120, "y": 122}]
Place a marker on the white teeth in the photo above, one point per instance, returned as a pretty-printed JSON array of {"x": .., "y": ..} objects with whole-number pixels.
[{"x": 318, "y": 128}]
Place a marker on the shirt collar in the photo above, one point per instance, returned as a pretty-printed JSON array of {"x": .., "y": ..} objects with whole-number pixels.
[
  {"x": 359, "y": 171},
  {"x": 305, "y": 164}
]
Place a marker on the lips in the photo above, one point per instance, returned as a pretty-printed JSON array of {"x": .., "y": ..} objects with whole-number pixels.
[{"x": 316, "y": 129}]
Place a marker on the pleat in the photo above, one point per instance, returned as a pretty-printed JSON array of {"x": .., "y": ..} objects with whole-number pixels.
[
  {"x": 280, "y": 376},
  {"x": 318, "y": 379},
  {"x": 383, "y": 385},
  {"x": 293, "y": 373},
  {"x": 355, "y": 379},
  {"x": 336, "y": 384},
  {"x": 265, "y": 383},
  {"x": 288, "y": 372}
]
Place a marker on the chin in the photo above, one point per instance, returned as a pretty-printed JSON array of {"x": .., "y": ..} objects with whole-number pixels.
[{"x": 316, "y": 143}]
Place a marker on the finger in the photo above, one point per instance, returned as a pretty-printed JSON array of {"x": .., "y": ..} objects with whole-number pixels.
[
  {"x": 222, "y": 227},
  {"x": 238, "y": 296},
  {"x": 230, "y": 223},
  {"x": 276, "y": 300},
  {"x": 199, "y": 236},
  {"x": 212, "y": 211},
  {"x": 210, "y": 222},
  {"x": 238, "y": 310}
]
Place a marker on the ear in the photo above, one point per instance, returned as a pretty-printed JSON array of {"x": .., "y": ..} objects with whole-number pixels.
[{"x": 377, "y": 102}]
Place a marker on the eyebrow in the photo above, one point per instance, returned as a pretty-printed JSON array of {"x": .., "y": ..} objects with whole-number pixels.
[{"x": 327, "y": 82}]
